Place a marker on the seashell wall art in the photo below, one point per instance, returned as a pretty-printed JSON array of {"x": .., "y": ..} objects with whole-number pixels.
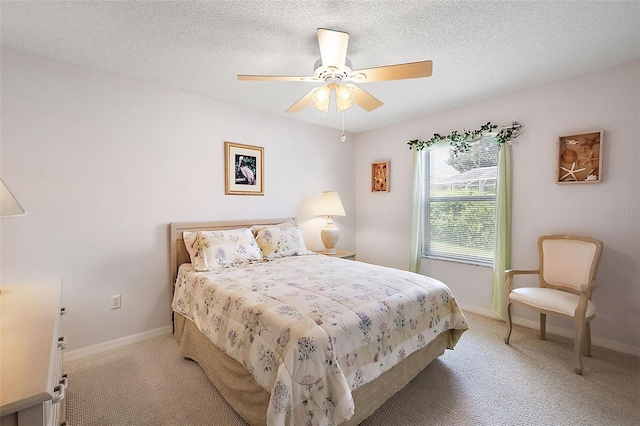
[
  {"x": 580, "y": 158},
  {"x": 380, "y": 176}
]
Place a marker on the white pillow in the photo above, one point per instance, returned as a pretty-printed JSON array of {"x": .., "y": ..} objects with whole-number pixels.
[
  {"x": 215, "y": 249},
  {"x": 281, "y": 240},
  {"x": 288, "y": 222}
]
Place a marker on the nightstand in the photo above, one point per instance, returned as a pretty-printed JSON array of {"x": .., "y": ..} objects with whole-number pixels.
[{"x": 339, "y": 253}]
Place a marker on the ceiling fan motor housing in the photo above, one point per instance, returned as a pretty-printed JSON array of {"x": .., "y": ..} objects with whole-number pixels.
[{"x": 331, "y": 72}]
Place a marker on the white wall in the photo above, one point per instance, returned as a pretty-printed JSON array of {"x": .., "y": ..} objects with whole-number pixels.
[
  {"x": 609, "y": 100},
  {"x": 103, "y": 164}
]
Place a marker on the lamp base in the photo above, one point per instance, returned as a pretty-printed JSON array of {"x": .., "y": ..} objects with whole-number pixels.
[{"x": 330, "y": 235}]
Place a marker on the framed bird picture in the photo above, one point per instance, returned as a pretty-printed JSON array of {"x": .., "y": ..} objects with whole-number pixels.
[
  {"x": 243, "y": 169},
  {"x": 580, "y": 158}
]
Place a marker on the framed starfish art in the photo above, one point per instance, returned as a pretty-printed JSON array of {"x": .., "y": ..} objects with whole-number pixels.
[{"x": 580, "y": 158}]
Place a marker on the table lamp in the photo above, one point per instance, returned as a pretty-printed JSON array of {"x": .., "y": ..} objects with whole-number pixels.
[
  {"x": 9, "y": 206},
  {"x": 330, "y": 206}
]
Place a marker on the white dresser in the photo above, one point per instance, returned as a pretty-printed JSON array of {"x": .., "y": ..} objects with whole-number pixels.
[{"x": 32, "y": 386}]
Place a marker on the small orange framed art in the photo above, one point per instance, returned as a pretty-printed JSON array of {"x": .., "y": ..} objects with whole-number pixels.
[{"x": 380, "y": 173}]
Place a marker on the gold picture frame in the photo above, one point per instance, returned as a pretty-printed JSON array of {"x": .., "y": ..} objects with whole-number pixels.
[
  {"x": 580, "y": 158},
  {"x": 243, "y": 169},
  {"x": 380, "y": 172}
]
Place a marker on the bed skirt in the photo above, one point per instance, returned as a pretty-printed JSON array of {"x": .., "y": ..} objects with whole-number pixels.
[{"x": 250, "y": 401}]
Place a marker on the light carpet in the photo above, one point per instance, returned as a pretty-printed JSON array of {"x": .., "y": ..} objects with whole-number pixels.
[{"x": 481, "y": 382}]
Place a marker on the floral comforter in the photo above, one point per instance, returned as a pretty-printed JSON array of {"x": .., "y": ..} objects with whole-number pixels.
[{"x": 313, "y": 328}]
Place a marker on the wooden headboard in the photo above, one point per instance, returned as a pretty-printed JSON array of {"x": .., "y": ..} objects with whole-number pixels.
[{"x": 178, "y": 251}]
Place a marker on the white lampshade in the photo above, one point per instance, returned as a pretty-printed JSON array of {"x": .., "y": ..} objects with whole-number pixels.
[
  {"x": 9, "y": 206},
  {"x": 330, "y": 205}
]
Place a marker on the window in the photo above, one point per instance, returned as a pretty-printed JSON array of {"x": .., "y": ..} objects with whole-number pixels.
[{"x": 460, "y": 201}]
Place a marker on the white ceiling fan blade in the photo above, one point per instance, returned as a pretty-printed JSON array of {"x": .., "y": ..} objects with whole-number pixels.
[
  {"x": 364, "y": 99},
  {"x": 333, "y": 47},
  {"x": 274, "y": 78},
  {"x": 302, "y": 103},
  {"x": 393, "y": 72}
]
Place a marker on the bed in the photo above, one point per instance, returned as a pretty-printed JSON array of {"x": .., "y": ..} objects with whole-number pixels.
[{"x": 299, "y": 338}]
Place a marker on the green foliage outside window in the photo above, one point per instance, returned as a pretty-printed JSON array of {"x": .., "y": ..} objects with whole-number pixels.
[{"x": 455, "y": 227}]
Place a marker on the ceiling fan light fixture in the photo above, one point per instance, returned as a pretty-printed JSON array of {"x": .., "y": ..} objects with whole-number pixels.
[
  {"x": 321, "y": 98},
  {"x": 344, "y": 97}
]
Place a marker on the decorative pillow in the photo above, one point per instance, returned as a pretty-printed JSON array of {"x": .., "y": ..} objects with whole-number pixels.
[
  {"x": 214, "y": 249},
  {"x": 288, "y": 222},
  {"x": 281, "y": 240}
]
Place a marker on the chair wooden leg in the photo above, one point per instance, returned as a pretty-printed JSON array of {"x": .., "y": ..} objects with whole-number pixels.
[
  {"x": 543, "y": 326},
  {"x": 587, "y": 340},
  {"x": 579, "y": 345},
  {"x": 509, "y": 325}
]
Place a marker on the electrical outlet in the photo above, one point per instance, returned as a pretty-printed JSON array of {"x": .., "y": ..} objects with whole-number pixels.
[{"x": 115, "y": 302}]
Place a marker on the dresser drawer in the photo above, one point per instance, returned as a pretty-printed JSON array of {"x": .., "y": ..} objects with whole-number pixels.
[
  {"x": 54, "y": 409},
  {"x": 32, "y": 390}
]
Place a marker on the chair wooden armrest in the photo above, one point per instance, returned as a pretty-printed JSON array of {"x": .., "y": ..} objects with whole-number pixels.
[
  {"x": 509, "y": 274},
  {"x": 585, "y": 288}
]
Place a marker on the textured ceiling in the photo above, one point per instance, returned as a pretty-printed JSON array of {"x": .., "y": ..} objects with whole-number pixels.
[{"x": 478, "y": 49}]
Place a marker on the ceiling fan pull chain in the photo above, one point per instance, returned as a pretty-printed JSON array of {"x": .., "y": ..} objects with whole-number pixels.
[{"x": 343, "y": 138}]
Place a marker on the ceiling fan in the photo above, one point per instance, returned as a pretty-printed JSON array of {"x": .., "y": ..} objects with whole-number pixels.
[{"x": 334, "y": 69}]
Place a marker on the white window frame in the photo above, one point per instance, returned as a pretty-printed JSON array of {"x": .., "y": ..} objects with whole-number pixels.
[{"x": 427, "y": 199}]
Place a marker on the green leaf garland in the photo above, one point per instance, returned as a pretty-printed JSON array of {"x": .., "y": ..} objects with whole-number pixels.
[{"x": 461, "y": 142}]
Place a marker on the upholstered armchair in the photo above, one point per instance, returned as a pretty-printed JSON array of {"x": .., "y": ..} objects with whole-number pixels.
[{"x": 566, "y": 274}]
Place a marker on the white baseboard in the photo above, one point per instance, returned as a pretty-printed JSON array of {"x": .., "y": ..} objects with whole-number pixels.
[
  {"x": 595, "y": 341},
  {"x": 478, "y": 310},
  {"x": 113, "y": 344}
]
